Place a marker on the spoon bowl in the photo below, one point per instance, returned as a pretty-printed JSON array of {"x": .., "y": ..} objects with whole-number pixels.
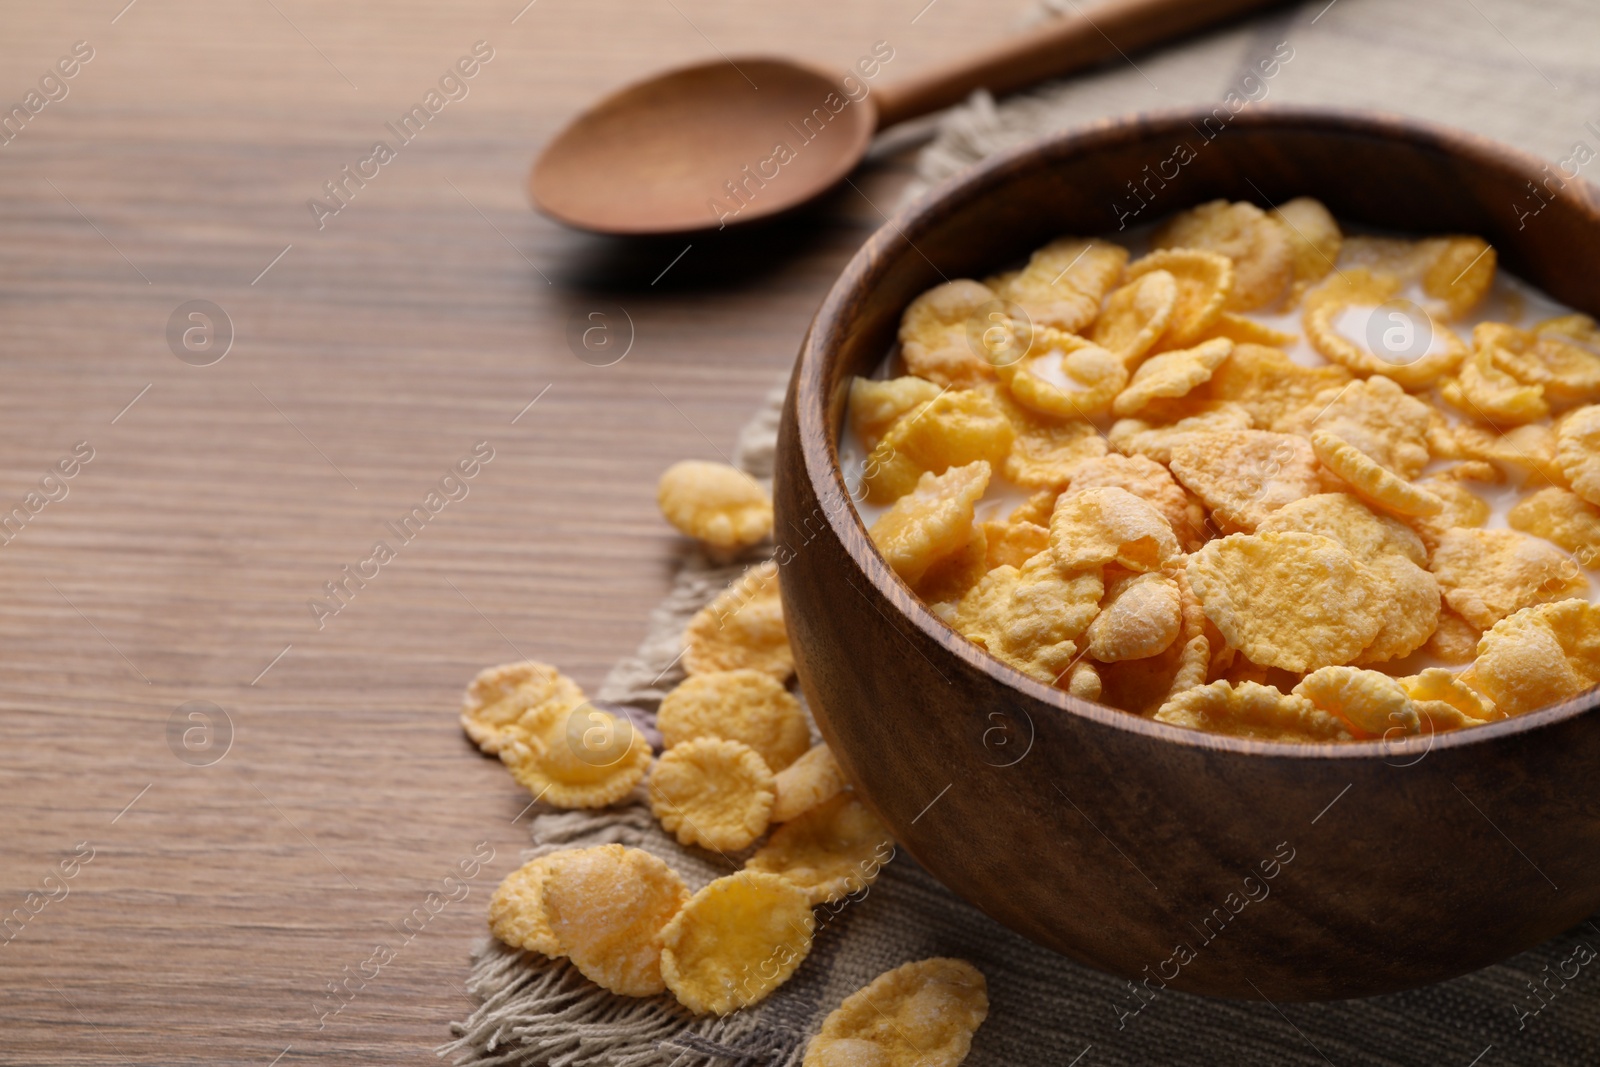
[{"x": 703, "y": 146}]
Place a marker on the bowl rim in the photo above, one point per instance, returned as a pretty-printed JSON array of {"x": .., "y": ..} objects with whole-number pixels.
[{"x": 819, "y": 445}]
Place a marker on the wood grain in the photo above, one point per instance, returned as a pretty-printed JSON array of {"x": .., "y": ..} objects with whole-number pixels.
[
  {"x": 420, "y": 320},
  {"x": 1115, "y": 839}
]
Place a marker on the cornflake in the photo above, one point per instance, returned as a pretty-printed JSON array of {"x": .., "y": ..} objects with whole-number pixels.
[
  {"x": 1171, "y": 374},
  {"x": 1046, "y": 450},
  {"x": 932, "y": 521},
  {"x": 921, "y": 1014},
  {"x": 583, "y": 757},
  {"x": 1373, "y": 483},
  {"x": 1205, "y": 283},
  {"x": 1093, "y": 527},
  {"x": 959, "y": 427},
  {"x": 1245, "y": 331},
  {"x": 1315, "y": 240},
  {"x": 1136, "y": 315},
  {"x": 1292, "y": 600},
  {"x": 742, "y": 705},
  {"x": 950, "y": 578},
  {"x": 810, "y": 780},
  {"x": 1141, "y": 618},
  {"x": 1487, "y": 575},
  {"x": 1566, "y": 370},
  {"x": 607, "y": 907},
  {"x": 1137, "y": 437},
  {"x": 831, "y": 851},
  {"x": 1436, "y": 686},
  {"x": 714, "y": 503},
  {"x": 1370, "y": 703},
  {"x": 1065, "y": 376},
  {"x": 1251, "y": 710},
  {"x": 742, "y": 628},
  {"x": 1539, "y": 656},
  {"x": 1462, "y": 507},
  {"x": 499, "y": 696},
  {"x": 1376, "y": 416},
  {"x": 1272, "y": 387},
  {"x": 1484, "y": 391},
  {"x": 712, "y": 792},
  {"x": 1153, "y": 483},
  {"x": 1455, "y": 641},
  {"x": 1246, "y": 475},
  {"x": 1357, "y": 288},
  {"x": 933, "y": 335},
  {"x": 876, "y": 406},
  {"x": 1065, "y": 281},
  {"x": 516, "y": 910},
  {"x": 1030, "y": 617},
  {"x": 1578, "y": 451},
  {"x": 1563, "y": 517},
  {"x": 736, "y": 941},
  {"x": 1013, "y": 543},
  {"x": 1257, "y": 244}
]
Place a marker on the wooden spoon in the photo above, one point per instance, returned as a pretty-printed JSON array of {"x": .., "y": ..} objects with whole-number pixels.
[{"x": 730, "y": 142}]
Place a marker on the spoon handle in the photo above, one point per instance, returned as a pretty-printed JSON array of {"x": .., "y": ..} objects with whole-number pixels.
[{"x": 1067, "y": 44}]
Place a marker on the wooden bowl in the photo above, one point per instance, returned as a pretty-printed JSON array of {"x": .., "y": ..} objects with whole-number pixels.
[{"x": 1213, "y": 865}]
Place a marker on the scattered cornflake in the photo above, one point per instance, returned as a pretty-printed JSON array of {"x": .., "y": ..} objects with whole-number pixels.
[
  {"x": 607, "y": 907},
  {"x": 736, "y": 941},
  {"x": 516, "y": 910},
  {"x": 582, "y": 757},
  {"x": 742, "y": 628},
  {"x": 920, "y": 1014},
  {"x": 741, "y": 705},
  {"x": 831, "y": 851},
  {"x": 810, "y": 780},
  {"x": 713, "y": 792},
  {"x": 714, "y": 503},
  {"x": 499, "y": 696}
]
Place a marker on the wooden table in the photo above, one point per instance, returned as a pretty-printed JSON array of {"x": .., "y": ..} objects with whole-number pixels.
[{"x": 368, "y": 357}]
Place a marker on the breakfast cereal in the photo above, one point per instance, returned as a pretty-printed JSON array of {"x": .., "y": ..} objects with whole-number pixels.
[
  {"x": 812, "y": 779},
  {"x": 736, "y": 941},
  {"x": 831, "y": 851},
  {"x": 607, "y": 907},
  {"x": 742, "y": 628},
  {"x": 921, "y": 1014},
  {"x": 715, "y": 504},
  {"x": 712, "y": 792}
]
